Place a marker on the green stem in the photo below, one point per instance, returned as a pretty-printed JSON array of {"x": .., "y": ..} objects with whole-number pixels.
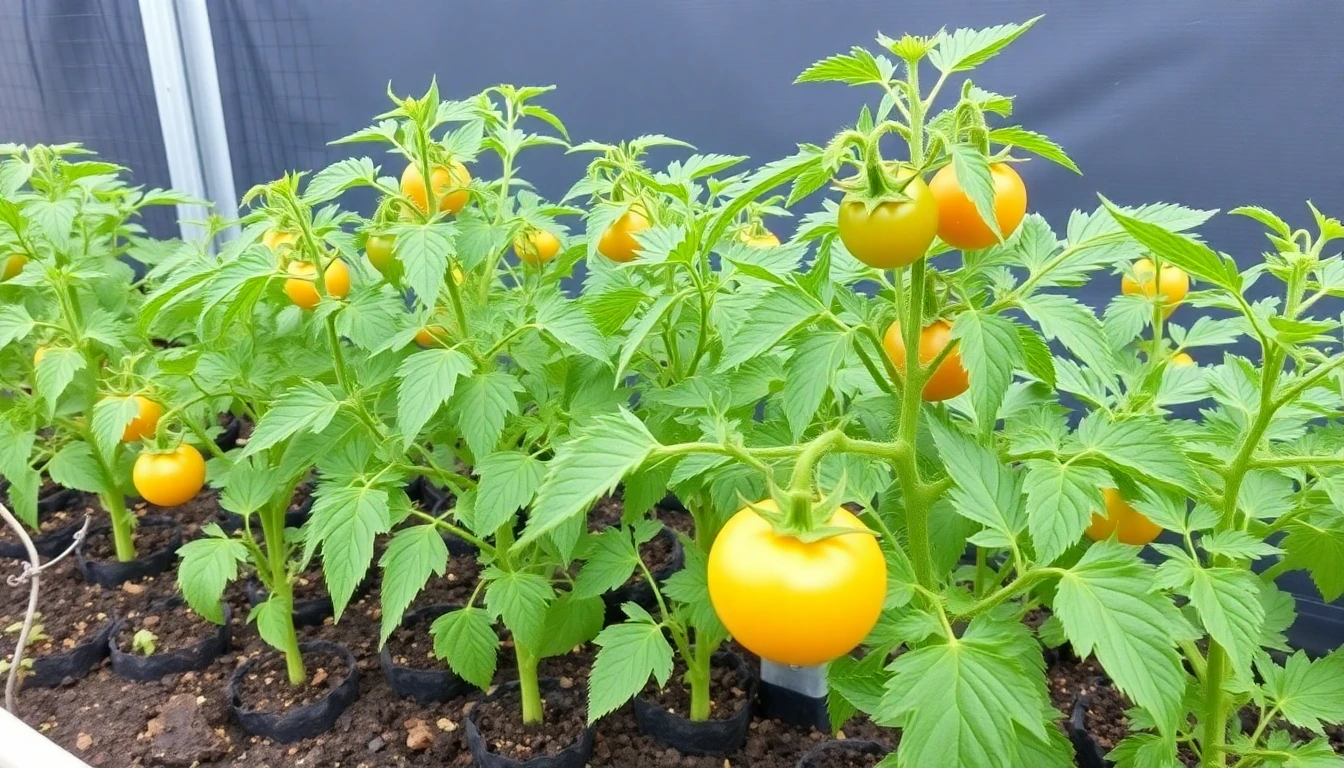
[
  {"x": 698, "y": 676},
  {"x": 334, "y": 340},
  {"x": 528, "y": 687},
  {"x": 917, "y": 502},
  {"x": 916, "y": 116},
  {"x": 123, "y": 526},
  {"x": 282, "y": 590},
  {"x": 1214, "y": 727}
]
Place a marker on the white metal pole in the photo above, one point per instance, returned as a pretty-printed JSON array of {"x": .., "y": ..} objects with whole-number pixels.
[
  {"x": 198, "y": 51},
  {"x": 25, "y": 748},
  {"x": 173, "y": 98}
]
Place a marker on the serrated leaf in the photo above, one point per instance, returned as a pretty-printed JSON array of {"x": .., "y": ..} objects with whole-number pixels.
[
  {"x": 1308, "y": 694},
  {"x": 990, "y": 349},
  {"x": 971, "y": 168},
  {"x": 1219, "y": 596},
  {"x": 275, "y": 622},
  {"x": 509, "y": 479},
  {"x": 208, "y": 565},
  {"x": 1107, "y": 607},
  {"x": 1195, "y": 258},
  {"x": 521, "y": 600},
  {"x": 1064, "y": 319},
  {"x": 330, "y": 182},
  {"x": 55, "y": 372},
  {"x": 635, "y": 338},
  {"x": 588, "y": 466},
  {"x": 1316, "y": 544},
  {"x": 630, "y": 653},
  {"x": 308, "y": 407},
  {"x": 780, "y": 312},
  {"x": 985, "y": 491},
  {"x": 1141, "y": 444},
  {"x": 412, "y": 556},
  {"x": 110, "y": 417},
  {"x": 423, "y": 252},
  {"x": 345, "y": 521},
  {"x": 572, "y": 621},
  {"x": 808, "y": 376},
  {"x": 1061, "y": 499},
  {"x": 467, "y": 641},
  {"x": 859, "y": 67},
  {"x": 966, "y": 49},
  {"x": 75, "y": 466},
  {"x": 15, "y": 324},
  {"x": 428, "y": 380},
  {"x": 609, "y": 560},
  {"x": 482, "y": 405},
  {"x": 1034, "y": 143}
]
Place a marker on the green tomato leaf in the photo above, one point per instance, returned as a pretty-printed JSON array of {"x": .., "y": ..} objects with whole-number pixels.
[
  {"x": 521, "y": 599},
  {"x": 990, "y": 349},
  {"x": 1309, "y": 694},
  {"x": 412, "y": 556},
  {"x": 629, "y": 654},
  {"x": 345, "y": 521},
  {"x": 609, "y": 560},
  {"x": 509, "y": 480},
  {"x": 808, "y": 376},
  {"x": 1061, "y": 499},
  {"x": 986, "y": 491},
  {"x": 275, "y": 622},
  {"x": 780, "y": 312},
  {"x": 466, "y": 640},
  {"x": 966, "y": 49},
  {"x": 972, "y": 171},
  {"x": 208, "y": 565},
  {"x": 482, "y": 404},
  {"x": 75, "y": 466},
  {"x": 307, "y": 407},
  {"x": 428, "y": 380},
  {"x": 572, "y": 621},
  {"x": 1145, "y": 446},
  {"x": 1199, "y": 260}
]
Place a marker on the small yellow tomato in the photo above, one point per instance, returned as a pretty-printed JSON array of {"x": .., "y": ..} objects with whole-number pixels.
[
  {"x": 303, "y": 291},
  {"x": 13, "y": 266},
  {"x": 431, "y": 336},
  {"x": 536, "y": 247},
  {"x": 449, "y": 186},
  {"x": 1128, "y": 524},
  {"x": 1181, "y": 359},
  {"x": 765, "y": 239},
  {"x": 618, "y": 242},
  {"x": 1171, "y": 285},
  {"x": 39, "y": 356},
  {"x": 146, "y": 420}
]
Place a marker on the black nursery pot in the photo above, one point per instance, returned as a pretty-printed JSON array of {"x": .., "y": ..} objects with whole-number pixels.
[
  {"x": 113, "y": 574},
  {"x": 307, "y": 613},
  {"x": 817, "y": 754},
  {"x": 49, "y": 544},
  {"x": 1089, "y": 753},
  {"x": 198, "y": 655},
  {"x": 228, "y": 439},
  {"x": 714, "y": 737},
  {"x": 574, "y": 756},
  {"x": 641, "y": 592},
  {"x": 425, "y": 686},
  {"x": 301, "y": 722},
  {"x": 49, "y": 671},
  {"x": 294, "y": 518}
]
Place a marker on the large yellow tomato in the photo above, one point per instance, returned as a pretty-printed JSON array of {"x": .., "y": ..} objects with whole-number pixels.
[
  {"x": 950, "y": 378},
  {"x": 303, "y": 291},
  {"x": 145, "y": 422},
  {"x": 13, "y": 266},
  {"x": 1132, "y": 527},
  {"x": 960, "y": 224},
  {"x": 169, "y": 479},
  {"x": 893, "y": 234},
  {"x": 618, "y": 242},
  {"x": 791, "y": 602},
  {"x": 449, "y": 186},
  {"x": 1172, "y": 284},
  {"x": 536, "y": 247}
]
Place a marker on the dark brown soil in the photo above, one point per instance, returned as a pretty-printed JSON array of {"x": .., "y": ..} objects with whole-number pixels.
[
  {"x": 174, "y": 626},
  {"x": 70, "y": 611},
  {"x": 657, "y": 553},
  {"x": 846, "y": 759},
  {"x": 500, "y": 723},
  {"x": 148, "y": 540},
  {"x": 414, "y": 647},
  {"x": 727, "y": 693},
  {"x": 51, "y": 522},
  {"x": 266, "y": 686},
  {"x": 454, "y": 587},
  {"x": 192, "y": 516}
]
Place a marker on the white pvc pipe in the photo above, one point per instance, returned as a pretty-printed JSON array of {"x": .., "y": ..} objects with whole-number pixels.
[
  {"x": 22, "y": 747},
  {"x": 198, "y": 53}
]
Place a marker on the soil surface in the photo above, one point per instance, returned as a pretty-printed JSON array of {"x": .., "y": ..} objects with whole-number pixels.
[
  {"x": 500, "y": 722},
  {"x": 56, "y": 520},
  {"x": 727, "y": 692},
  {"x": 657, "y": 553},
  {"x": 148, "y": 539},
  {"x": 266, "y": 685},
  {"x": 175, "y": 626}
]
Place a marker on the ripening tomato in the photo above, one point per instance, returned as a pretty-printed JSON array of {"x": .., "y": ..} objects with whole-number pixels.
[
  {"x": 431, "y": 336},
  {"x": 536, "y": 247},
  {"x": 1131, "y": 525},
  {"x": 1173, "y": 284},
  {"x": 13, "y": 266},
  {"x": 766, "y": 239},
  {"x": 791, "y": 602},
  {"x": 379, "y": 250},
  {"x": 950, "y": 378},
  {"x": 146, "y": 420},
  {"x": 169, "y": 479},
  {"x": 960, "y": 224},
  {"x": 618, "y": 242},
  {"x": 277, "y": 241},
  {"x": 303, "y": 291},
  {"x": 449, "y": 186},
  {"x": 893, "y": 234},
  {"x": 1182, "y": 359}
]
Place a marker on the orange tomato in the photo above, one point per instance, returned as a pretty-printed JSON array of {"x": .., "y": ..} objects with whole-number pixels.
[
  {"x": 1126, "y": 523},
  {"x": 431, "y": 336},
  {"x": 302, "y": 290},
  {"x": 794, "y": 602},
  {"x": 1172, "y": 284},
  {"x": 960, "y": 224},
  {"x": 618, "y": 242},
  {"x": 146, "y": 420},
  {"x": 13, "y": 266},
  {"x": 950, "y": 378},
  {"x": 449, "y": 186},
  {"x": 536, "y": 247},
  {"x": 169, "y": 479}
]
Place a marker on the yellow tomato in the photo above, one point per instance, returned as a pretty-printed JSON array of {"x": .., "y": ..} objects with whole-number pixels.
[
  {"x": 1172, "y": 285},
  {"x": 950, "y": 378},
  {"x": 145, "y": 422},
  {"x": 765, "y": 239},
  {"x": 892, "y": 234},
  {"x": 618, "y": 242},
  {"x": 431, "y": 336},
  {"x": 169, "y": 479},
  {"x": 792, "y": 602},
  {"x": 449, "y": 186},
  {"x": 302, "y": 290},
  {"x": 536, "y": 247},
  {"x": 959, "y": 221},
  {"x": 1182, "y": 359},
  {"x": 13, "y": 266},
  {"x": 1127, "y": 523}
]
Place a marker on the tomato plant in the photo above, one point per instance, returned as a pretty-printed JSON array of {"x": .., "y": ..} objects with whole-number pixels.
[{"x": 84, "y": 382}]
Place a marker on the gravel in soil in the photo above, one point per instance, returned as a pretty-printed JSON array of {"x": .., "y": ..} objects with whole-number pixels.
[
  {"x": 501, "y": 725},
  {"x": 266, "y": 685},
  {"x": 193, "y": 515},
  {"x": 727, "y": 692}
]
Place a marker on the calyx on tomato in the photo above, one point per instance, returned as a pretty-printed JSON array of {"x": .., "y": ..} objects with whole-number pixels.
[{"x": 889, "y": 220}]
